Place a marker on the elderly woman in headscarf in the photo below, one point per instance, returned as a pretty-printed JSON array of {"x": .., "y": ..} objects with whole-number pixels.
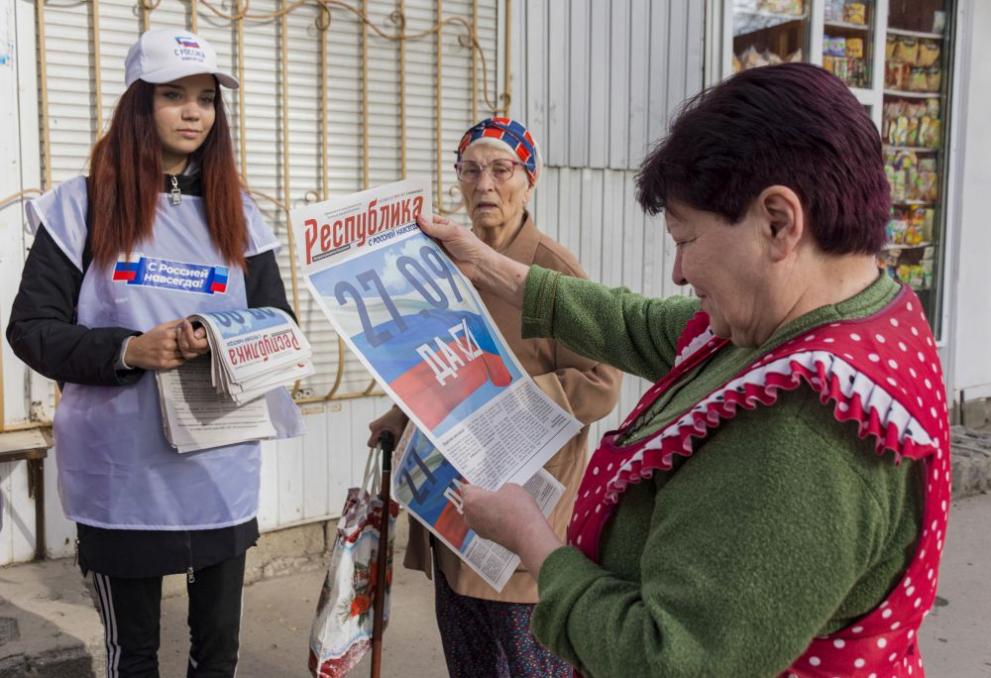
[
  {"x": 776, "y": 505},
  {"x": 486, "y": 633}
]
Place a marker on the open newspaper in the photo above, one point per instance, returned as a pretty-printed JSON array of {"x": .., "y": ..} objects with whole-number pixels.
[
  {"x": 421, "y": 329},
  {"x": 426, "y": 484},
  {"x": 217, "y": 399}
]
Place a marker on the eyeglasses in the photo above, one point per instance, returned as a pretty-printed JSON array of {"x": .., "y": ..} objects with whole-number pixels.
[{"x": 501, "y": 170}]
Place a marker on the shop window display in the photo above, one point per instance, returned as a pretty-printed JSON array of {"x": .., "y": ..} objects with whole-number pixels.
[
  {"x": 846, "y": 41},
  {"x": 767, "y": 32},
  {"x": 912, "y": 130},
  {"x": 895, "y": 56}
]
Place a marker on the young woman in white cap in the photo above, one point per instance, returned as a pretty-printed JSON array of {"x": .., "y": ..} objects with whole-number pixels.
[{"x": 159, "y": 230}]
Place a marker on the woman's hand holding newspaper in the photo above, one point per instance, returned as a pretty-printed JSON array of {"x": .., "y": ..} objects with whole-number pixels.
[
  {"x": 192, "y": 341},
  {"x": 510, "y": 517}
]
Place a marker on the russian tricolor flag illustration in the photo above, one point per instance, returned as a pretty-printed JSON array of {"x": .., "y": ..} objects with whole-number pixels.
[
  {"x": 433, "y": 506},
  {"x": 218, "y": 280},
  {"x": 412, "y": 378},
  {"x": 126, "y": 271}
]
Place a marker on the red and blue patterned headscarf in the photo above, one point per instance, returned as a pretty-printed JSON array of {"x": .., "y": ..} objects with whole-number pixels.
[{"x": 512, "y": 133}]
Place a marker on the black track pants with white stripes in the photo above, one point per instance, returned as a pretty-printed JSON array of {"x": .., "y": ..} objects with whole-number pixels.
[{"x": 131, "y": 611}]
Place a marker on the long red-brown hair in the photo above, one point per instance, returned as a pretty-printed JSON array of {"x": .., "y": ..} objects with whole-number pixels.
[{"x": 126, "y": 179}]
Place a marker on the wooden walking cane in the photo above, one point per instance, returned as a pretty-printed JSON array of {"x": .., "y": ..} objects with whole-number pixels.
[{"x": 386, "y": 443}]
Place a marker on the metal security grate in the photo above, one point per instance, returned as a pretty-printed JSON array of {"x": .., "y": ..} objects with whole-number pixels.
[{"x": 335, "y": 96}]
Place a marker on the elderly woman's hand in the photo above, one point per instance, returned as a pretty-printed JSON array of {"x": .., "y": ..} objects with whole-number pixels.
[
  {"x": 463, "y": 246},
  {"x": 510, "y": 517},
  {"x": 393, "y": 421},
  {"x": 489, "y": 270}
]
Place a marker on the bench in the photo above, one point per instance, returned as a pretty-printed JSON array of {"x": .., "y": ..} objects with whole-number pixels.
[{"x": 31, "y": 445}]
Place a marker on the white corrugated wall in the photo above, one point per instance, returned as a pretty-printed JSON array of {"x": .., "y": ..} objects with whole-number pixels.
[{"x": 598, "y": 81}]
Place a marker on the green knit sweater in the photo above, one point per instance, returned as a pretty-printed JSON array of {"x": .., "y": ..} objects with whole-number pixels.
[{"x": 782, "y": 526}]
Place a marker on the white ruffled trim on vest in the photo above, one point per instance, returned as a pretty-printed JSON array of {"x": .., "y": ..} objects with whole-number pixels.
[{"x": 873, "y": 397}]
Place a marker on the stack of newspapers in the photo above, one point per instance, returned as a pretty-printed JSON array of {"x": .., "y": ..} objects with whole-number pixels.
[
  {"x": 254, "y": 350},
  {"x": 218, "y": 399}
]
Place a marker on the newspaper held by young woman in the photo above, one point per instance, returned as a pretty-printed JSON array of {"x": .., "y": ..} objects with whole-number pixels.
[
  {"x": 254, "y": 350},
  {"x": 218, "y": 399}
]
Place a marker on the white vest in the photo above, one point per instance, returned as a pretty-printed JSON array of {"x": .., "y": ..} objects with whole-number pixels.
[{"x": 115, "y": 468}]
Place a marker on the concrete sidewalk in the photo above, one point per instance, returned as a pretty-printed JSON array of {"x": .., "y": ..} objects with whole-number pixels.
[
  {"x": 60, "y": 633},
  {"x": 276, "y": 627}
]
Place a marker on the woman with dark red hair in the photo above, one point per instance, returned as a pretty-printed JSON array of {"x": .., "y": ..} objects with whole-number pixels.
[
  {"x": 160, "y": 229},
  {"x": 777, "y": 502}
]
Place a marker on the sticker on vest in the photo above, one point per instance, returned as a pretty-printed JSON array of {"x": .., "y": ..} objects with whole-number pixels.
[{"x": 171, "y": 275}]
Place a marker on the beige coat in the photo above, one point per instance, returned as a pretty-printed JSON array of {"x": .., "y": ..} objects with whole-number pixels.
[{"x": 586, "y": 388}]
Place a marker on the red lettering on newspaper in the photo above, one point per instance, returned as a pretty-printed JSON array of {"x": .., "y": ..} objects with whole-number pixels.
[
  {"x": 263, "y": 348},
  {"x": 357, "y": 228}
]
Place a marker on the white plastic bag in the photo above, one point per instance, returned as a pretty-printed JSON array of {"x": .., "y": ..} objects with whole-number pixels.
[{"x": 342, "y": 627}]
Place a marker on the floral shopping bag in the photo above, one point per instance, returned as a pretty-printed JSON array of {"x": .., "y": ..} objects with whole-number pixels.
[{"x": 342, "y": 627}]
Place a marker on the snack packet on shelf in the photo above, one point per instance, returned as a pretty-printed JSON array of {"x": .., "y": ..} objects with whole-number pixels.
[
  {"x": 912, "y": 183},
  {"x": 896, "y": 229},
  {"x": 829, "y": 63},
  {"x": 928, "y": 53},
  {"x": 928, "y": 223},
  {"x": 896, "y": 74},
  {"x": 918, "y": 80},
  {"x": 855, "y": 13},
  {"x": 925, "y": 133},
  {"x": 834, "y": 10},
  {"x": 915, "y": 230},
  {"x": 855, "y": 48},
  {"x": 907, "y": 50},
  {"x": 928, "y": 180},
  {"x": 934, "y": 130},
  {"x": 912, "y": 134},
  {"x": 898, "y": 186},
  {"x": 927, "y": 273},
  {"x": 889, "y": 47},
  {"x": 901, "y": 131}
]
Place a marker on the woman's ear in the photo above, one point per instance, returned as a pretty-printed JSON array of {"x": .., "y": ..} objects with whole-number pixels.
[{"x": 782, "y": 220}]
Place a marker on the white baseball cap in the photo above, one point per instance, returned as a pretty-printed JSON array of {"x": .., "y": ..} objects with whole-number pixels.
[{"x": 166, "y": 54}]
